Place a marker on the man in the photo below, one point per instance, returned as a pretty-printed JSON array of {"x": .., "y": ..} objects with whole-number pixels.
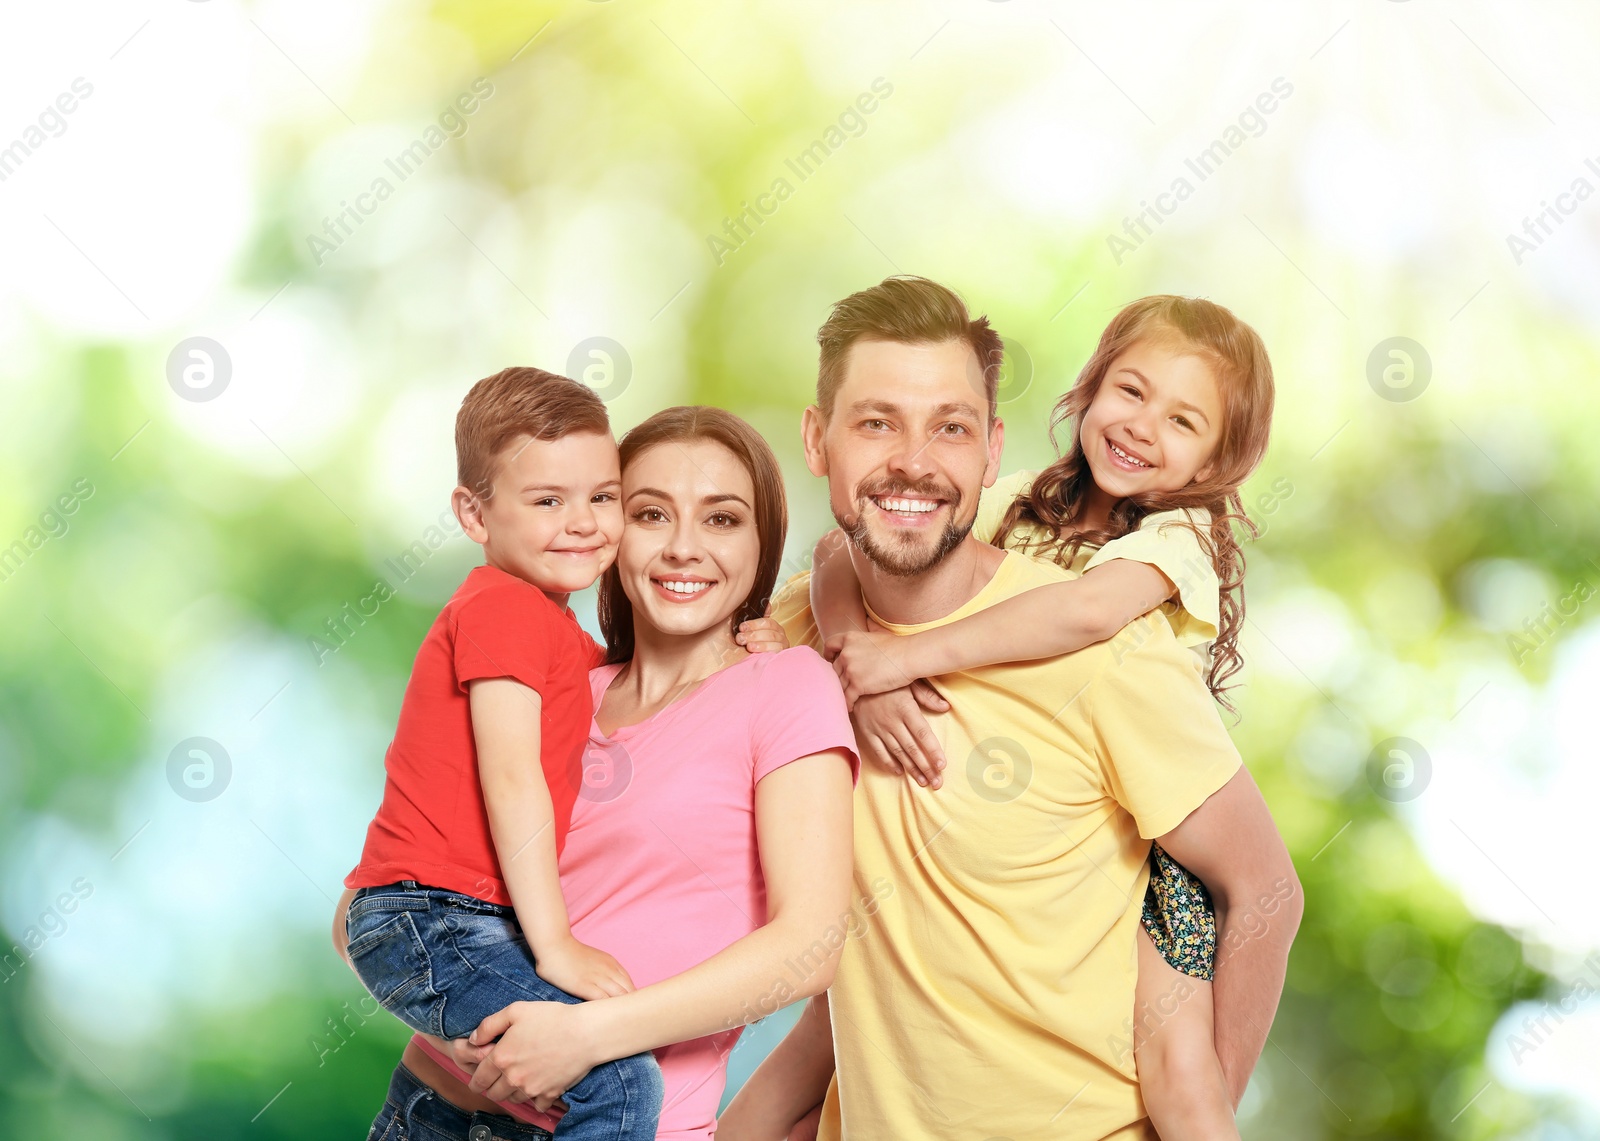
[{"x": 986, "y": 988}]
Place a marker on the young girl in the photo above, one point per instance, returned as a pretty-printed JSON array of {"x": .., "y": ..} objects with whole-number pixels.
[{"x": 1169, "y": 417}]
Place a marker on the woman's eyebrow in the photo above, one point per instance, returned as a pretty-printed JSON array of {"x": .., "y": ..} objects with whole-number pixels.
[
  {"x": 724, "y": 498},
  {"x": 652, "y": 492}
]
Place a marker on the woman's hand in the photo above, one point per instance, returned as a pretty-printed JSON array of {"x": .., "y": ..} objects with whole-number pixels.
[
  {"x": 871, "y": 661},
  {"x": 542, "y": 1051},
  {"x": 341, "y": 934},
  {"x": 891, "y": 730},
  {"x": 581, "y": 970},
  {"x": 461, "y": 1051}
]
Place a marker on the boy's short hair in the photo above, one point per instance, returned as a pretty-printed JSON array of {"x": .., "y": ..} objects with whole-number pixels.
[
  {"x": 519, "y": 401},
  {"x": 911, "y": 311}
]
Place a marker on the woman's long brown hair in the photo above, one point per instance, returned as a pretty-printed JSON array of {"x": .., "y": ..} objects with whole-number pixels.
[
  {"x": 683, "y": 424},
  {"x": 1057, "y": 500}
]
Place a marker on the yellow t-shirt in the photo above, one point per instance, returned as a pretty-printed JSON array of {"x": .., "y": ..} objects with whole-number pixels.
[
  {"x": 1163, "y": 540},
  {"x": 986, "y": 986}
]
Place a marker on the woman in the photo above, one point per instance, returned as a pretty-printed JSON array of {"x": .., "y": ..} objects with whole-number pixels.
[{"x": 710, "y": 849}]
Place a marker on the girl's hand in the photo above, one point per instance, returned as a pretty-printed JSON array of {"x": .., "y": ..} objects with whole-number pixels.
[
  {"x": 891, "y": 731},
  {"x": 542, "y": 1051},
  {"x": 762, "y": 635},
  {"x": 870, "y": 662},
  {"x": 583, "y": 971}
]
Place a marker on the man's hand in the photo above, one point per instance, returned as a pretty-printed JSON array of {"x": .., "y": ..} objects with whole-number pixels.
[
  {"x": 542, "y": 1051},
  {"x": 869, "y": 662},
  {"x": 582, "y": 971},
  {"x": 762, "y": 635},
  {"x": 891, "y": 731}
]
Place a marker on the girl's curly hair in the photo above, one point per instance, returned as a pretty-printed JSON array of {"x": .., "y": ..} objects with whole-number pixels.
[{"x": 1057, "y": 499}]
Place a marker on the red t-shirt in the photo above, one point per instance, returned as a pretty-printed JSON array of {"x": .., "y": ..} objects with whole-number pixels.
[{"x": 432, "y": 825}]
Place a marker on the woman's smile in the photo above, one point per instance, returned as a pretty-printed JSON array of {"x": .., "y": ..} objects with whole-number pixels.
[{"x": 679, "y": 588}]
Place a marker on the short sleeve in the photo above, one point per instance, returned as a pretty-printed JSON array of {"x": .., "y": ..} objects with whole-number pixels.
[
  {"x": 1161, "y": 742},
  {"x": 502, "y": 631},
  {"x": 1165, "y": 541},
  {"x": 994, "y": 502},
  {"x": 791, "y": 609},
  {"x": 800, "y": 710},
  {"x": 597, "y": 652}
]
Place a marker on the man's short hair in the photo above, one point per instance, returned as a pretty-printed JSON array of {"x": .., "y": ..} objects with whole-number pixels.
[
  {"x": 514, "y": 402},
  {"x": 911, "y": 311}
]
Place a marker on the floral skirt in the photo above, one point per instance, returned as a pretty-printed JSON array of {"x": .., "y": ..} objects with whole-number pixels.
[{"x": 1179, "y": 917}]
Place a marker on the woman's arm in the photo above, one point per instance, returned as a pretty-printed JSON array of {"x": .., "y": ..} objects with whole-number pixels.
[
  {"x": 788, "y": 1084},
  {"x": 1040, "y": 623},
  {"x": 804, "y": 839}
]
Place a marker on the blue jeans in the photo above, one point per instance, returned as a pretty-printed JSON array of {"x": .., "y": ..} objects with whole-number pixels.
[
  {"x": 413, "y": 1112},
  {"x": 442, "y": 962}
]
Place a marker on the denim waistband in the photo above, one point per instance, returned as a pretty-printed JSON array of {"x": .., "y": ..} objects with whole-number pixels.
[
  {"x": 410, "y": 895},
  {"x": 426, "y": 1116}
]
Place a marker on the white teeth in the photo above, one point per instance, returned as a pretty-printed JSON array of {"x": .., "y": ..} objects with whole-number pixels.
[
  {"x": 1126, "y": 456},
  {"x": 908, "y": 506},
  {"x": 683, "y": 587}
]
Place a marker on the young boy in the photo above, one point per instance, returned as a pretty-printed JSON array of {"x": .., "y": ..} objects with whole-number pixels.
[{"x": 459, "y": 911}]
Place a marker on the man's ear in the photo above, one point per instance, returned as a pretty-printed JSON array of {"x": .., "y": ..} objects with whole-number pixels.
[
  {"x": 812, "y": 427},
  {"x": 469, "y": 513},
  {"x": 997, "y": 443}
]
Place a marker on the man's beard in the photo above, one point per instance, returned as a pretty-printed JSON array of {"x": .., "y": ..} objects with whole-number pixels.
[{"x": 905, "y": 559}]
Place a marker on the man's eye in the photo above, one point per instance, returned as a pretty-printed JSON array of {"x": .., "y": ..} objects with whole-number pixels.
[
  {"x": 874, "y": 425},
  {"x": 954, "y": 429}
]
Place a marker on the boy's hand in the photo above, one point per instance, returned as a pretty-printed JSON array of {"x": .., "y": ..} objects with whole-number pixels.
[
  {"x": 582, "y": 971},
  {"x": 762, "y": 635},
  {"x": 891, "y": 730},
  {"x": 870, "y": 662}
]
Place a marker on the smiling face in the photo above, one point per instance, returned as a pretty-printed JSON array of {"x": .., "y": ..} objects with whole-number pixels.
[
  {"x": 1154, "y": 423},
  {"x": 553, "y": 516},
  {"x": 906, "y": 450},
  {"x": 691, "y": 546}
]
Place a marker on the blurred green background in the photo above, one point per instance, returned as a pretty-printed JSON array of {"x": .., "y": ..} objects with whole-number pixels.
[{"x": 366, "y": 207}]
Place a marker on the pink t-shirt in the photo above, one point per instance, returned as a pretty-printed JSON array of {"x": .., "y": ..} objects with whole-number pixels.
[{"x": 661, "y": 867}]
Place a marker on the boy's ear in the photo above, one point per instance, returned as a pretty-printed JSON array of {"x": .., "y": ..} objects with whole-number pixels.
[{"x": 468, "y": 509}]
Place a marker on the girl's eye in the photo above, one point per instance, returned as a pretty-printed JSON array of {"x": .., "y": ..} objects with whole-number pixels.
[
  {"x": 603, "y": 497},
  {"x": 547, "y": 501},
  {"x": 1130, "y": 390},
  {"x": 1184, "y": 421}
]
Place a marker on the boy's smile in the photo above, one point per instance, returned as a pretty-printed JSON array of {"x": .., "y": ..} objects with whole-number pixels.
[{"x": 553, "y": 517}]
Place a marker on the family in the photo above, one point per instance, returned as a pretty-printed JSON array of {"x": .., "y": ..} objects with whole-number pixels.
[{"x": 964, "y": 787}]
